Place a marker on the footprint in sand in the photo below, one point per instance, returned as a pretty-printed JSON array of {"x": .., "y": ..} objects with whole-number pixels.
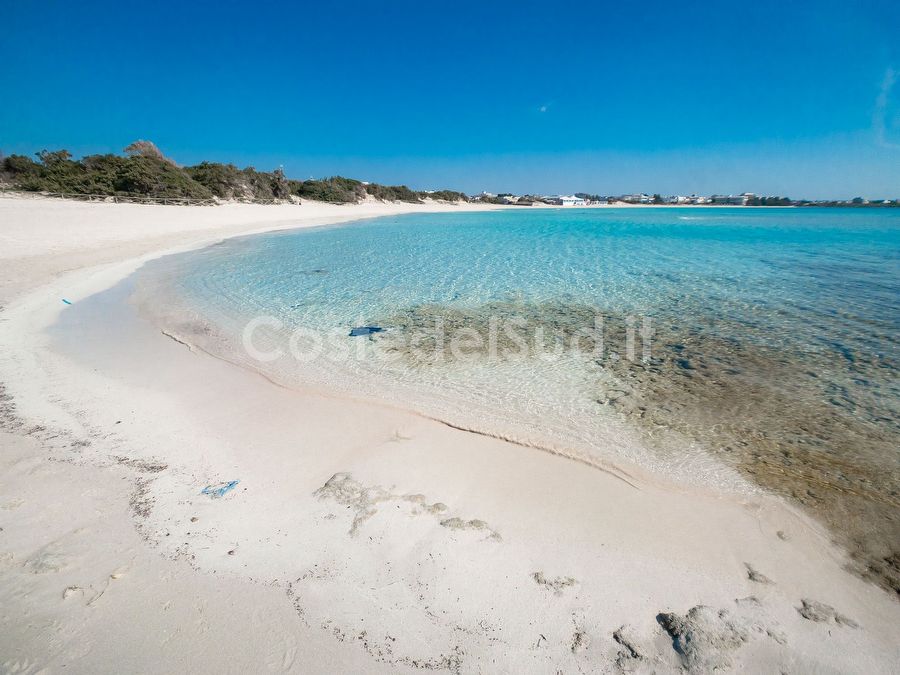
[
  {"x": 557, "y": 584},
  {"x": 15, "y": 667},
  {"x": 45, "y": 562},
  {"x": 282, "y": 650},
  {"x": 819, "y": 612},
  {"x": 756, "y": 576},
  {"x": 72, "y": 591},
  {"x": 12, "y": 504}
]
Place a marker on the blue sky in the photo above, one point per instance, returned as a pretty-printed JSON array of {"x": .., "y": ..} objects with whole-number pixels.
[{"x": 796, "y": 98}]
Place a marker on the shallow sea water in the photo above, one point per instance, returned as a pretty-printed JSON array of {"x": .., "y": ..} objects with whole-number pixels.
[{"x": 737, "y": 343}]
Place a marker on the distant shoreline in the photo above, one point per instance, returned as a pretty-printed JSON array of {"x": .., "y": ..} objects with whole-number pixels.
[
  {"x": 174, "y": 201},
  {"x": 179, "y": 201}
]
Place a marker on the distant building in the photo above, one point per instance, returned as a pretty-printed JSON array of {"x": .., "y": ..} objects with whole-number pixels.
[
  {"x": 484, "y": 196},
  {"x": 636, "y": 199},
  {"x": 570, "y": 200},
  {"x": 730, "y": 200}
]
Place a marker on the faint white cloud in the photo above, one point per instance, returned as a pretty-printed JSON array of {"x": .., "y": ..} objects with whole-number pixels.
[
  {"x": 881, "y": 117},
  {"x": 542, "y": 109}
]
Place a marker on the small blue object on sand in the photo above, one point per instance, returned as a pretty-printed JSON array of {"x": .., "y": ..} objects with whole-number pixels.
[
  {"x": 220, "y": 489},
  {"x": 68, "y": 302},
  {"x": 365, "y": 330}
]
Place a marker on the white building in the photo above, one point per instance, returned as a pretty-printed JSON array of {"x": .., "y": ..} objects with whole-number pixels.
[
  {"x": 676, "y": 199},
  {"x": 570, "y": 200}
]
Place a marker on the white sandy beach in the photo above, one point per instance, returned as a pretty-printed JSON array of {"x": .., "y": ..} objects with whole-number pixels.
[{"x": 360, "y": 537}]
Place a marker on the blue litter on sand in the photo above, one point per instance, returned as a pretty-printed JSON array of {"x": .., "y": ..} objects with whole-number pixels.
[
  {"x": 219, "y": 489},
  {"x": 66, "y": 301},
  {"x": 365, "y": 330}
]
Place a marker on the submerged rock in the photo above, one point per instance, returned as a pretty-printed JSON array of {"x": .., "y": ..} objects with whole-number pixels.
[{"x": 365, "y": 330}]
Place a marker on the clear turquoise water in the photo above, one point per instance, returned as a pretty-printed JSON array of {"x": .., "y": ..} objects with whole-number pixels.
[
  {"x": 811, "y": 278},
  {"x": 803, "y": 302},
  {"x": 773, "y": 361}
]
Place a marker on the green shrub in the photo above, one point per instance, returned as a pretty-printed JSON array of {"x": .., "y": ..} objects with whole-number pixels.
[
  {"x": 393, "y": 193},
  {"x": 145, "y": 171},
  {"x": 20, "y": 165},
  {"x": 154, "y": 177},
  {"x": 444, "y": 195},
  {"x": 225, "y": 181},
  {"x": 337, "y": 190}
]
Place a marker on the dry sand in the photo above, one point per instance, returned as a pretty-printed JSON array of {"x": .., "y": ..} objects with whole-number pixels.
[{"x": 360, "y": 538}]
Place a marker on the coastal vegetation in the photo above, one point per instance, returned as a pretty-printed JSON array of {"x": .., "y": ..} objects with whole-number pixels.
[
  {"x": 447, "y": 195},
  {"x": 143, "y": 171},
  {"x": 136, "y": 174}
]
